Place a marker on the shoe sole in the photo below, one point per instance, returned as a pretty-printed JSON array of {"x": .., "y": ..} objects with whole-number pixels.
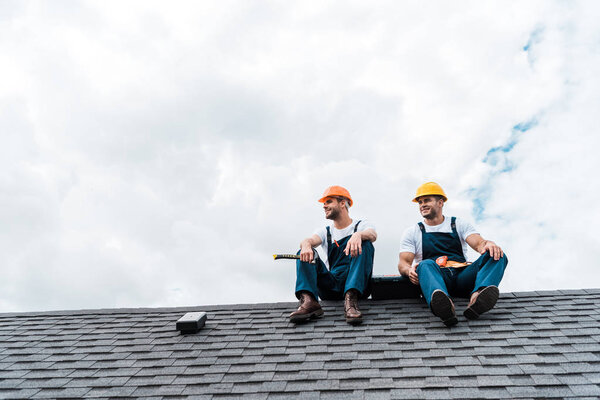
[
  {"x": 305, "y": 317},
  {"x": 441, "y": 306},
  {"x": 354, "y": 321},
  {"x": 485, "y": 302}
]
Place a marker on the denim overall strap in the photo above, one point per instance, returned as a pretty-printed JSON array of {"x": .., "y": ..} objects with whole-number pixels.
[
  {"x": 335, "y": 249},
  {"x": 436, "y": 244}
]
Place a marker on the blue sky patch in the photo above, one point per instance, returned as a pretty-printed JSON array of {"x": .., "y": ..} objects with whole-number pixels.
[
  {"x": 534, "y": 38},
  {"x": 525, "y": 126},
  {"x": 497, "y": 155},
  {"x": 498, "y": 158}
]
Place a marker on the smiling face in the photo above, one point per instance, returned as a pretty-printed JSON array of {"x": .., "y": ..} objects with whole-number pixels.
[
  {"x": 332, "y": 207},
  {"x": 430, "y": 206}
]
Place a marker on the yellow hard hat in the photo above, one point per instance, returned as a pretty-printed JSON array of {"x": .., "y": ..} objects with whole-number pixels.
[
  {"x": 430, "y": 189},
  {"x": 333, "y": 191}
]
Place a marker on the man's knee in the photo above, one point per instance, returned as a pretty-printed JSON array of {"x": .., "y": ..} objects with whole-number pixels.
[
  {"x": 365, "y": 258},
  {"x": 487, "y": 258},
  {"x": 367, "y": 250},
  {"x": 427, "y": 265}
]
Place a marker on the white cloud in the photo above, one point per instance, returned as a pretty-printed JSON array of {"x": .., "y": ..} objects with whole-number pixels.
[{"x": 159, "y": 155}]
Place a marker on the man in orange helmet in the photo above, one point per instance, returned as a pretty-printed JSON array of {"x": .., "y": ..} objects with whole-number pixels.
[
  {"x": 349, "y": 248},
  {"x": 433, "y": 255}
]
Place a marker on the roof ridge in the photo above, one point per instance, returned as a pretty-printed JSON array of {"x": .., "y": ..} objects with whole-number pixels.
[{"x": 270, "y": 305}]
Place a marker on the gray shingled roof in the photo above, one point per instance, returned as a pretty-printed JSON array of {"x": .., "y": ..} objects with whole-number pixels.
[{"x": 532, "y": 345}]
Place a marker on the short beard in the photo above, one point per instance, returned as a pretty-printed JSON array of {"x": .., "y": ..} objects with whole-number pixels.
[
  {"x": 334, "y": 214},
  {"x": 432, "y": 214}
]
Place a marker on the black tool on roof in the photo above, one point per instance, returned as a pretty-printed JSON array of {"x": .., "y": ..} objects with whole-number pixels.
[
  {"x": 393, "y": 287},
  {"x": 191, "y": 322}
]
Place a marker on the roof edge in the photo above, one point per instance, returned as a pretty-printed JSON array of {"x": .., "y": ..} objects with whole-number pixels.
[{"x": 250, "y": 306}]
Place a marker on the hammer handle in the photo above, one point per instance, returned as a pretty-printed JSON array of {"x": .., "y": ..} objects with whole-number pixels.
[
  {"x": 293, "y": 256},
  {"x": 288, "y": 256}
]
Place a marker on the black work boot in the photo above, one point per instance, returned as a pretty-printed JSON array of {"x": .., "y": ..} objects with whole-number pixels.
[
  {"x": 442, "y": 307},
  {"x": 482, "y": 301}
]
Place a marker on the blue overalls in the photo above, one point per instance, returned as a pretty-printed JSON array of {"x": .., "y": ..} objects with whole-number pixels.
[
  {"x": 459, "y": 282},
  {"x": 345, "y": 272}
]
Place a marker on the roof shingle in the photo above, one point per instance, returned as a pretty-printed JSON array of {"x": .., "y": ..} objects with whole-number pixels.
[{"x": 532, "y": 345}]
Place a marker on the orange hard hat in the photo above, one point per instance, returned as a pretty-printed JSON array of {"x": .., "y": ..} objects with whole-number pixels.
[
  {"x": 430, "y": 189},
  {"x": 334, "y": 191}
]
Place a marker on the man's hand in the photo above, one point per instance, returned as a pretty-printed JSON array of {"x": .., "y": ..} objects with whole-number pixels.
[
  {"x": 481, "y": 245},
  {"x": 354, "y": 245},
  {"x": 306, "y": 248},
  {"x": 306, "y": 252},
  {"x": 494, "y": 250},
  {"x": 412, "y": 274}
]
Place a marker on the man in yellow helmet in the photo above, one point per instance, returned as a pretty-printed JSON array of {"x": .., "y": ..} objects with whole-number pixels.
[
  {"x": 350, "y": 252},
  {"x": 433, "y": 255}
]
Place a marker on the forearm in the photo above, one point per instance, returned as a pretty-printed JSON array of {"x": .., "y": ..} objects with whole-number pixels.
[
  {"x": 308, "y": 242},
  {"x": 368, "y": 234},
  {"x": 405, "y": 263},
  {"x": 306, "y": 248},
  {"x": 312, "y": 241},
  {"x": 477, "y": 242},
  {"x": 403, "y": 267},
  {"x": 481, "y": 245}
]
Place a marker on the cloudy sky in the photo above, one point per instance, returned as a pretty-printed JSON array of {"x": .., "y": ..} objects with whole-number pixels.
[{"x": 158, "y": 153}]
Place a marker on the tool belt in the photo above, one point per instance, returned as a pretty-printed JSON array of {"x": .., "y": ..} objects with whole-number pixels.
[{"x": 445, "y": 263}]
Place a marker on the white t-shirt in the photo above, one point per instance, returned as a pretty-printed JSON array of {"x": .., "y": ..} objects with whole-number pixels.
[
  {"x": 412, "y": 240},
  {"x": 337, "y": 234}
]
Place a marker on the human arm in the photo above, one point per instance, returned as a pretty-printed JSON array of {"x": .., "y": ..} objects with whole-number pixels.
[
  {"x": 354, "y": 245},
  {"x": 480, "y": 245},
  {"x": 306, "y": 247},
  {"x": 406, "y": 267}
]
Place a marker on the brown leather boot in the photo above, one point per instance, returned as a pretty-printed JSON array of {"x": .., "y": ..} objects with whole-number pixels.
[
  {"x": 482, "y": 301},
  {"x": 351, "y": 311},
  {"x": 309, "y": 308}
]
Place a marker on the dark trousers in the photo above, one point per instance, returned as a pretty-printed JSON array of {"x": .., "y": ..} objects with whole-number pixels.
[{"x": 353, "y": 273}]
